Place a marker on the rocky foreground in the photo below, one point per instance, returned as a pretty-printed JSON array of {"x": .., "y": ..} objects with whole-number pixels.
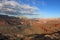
[
  {"x": 15, "y": 28},
  {"x": 53, "y": 36}
]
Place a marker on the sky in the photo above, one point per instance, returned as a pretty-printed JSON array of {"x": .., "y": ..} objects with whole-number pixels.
[{"x": 31, "y": 8}]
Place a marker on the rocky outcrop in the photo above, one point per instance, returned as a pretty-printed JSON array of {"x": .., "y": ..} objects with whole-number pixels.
[{"x": 53, "y": 36}]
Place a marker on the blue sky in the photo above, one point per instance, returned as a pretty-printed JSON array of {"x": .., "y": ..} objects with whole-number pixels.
[
  {"x": 47, "y": 8},
  {"x": 31, "y": 8}
]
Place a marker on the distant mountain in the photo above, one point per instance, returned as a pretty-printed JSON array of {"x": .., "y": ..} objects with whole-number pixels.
[{"x": 5, "y": 19}]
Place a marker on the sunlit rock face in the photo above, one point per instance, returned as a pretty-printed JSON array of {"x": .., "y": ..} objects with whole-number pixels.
[
  {"x": 30, "y": 29},
  {"x": 33, "y": 26}
]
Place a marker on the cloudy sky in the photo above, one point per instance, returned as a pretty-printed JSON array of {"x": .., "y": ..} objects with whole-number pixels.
[{"x": 31, "y": 8}]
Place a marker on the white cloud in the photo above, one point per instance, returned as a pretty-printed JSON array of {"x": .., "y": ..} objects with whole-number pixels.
[{"x": 14, "y": 8}]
